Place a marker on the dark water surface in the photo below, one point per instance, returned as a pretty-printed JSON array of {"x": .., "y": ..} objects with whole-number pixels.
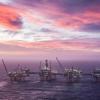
[{"x": 33, "y": 89}]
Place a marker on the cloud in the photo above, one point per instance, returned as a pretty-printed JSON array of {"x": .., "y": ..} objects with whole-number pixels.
[
  {"x": 91, "y": 27},
  {"x": 5, "y": 1},
  {"x": 73, "y": 45},
  {"x": 70, "y": 6},
  {"x": 67, "y": 14},
  {"x": 77, "y": 6},
  {"x": 51, "y": 25},
  {"x": 70, "y": 49},
  {"x": 10, "y": 18}
]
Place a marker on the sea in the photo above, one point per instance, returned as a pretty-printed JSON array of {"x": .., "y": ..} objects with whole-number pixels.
[{"x": 33, "y": 89}]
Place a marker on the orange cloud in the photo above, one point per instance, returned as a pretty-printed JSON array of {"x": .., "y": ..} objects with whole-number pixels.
[{"x": 9, "y": 17}]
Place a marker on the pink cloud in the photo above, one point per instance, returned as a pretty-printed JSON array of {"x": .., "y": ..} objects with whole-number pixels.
[
  {"x": 10, "y": 18},
  {"x": 87, "y": 45}
]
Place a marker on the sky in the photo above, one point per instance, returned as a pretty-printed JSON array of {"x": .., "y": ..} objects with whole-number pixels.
[{"x": 38, "y": 29}]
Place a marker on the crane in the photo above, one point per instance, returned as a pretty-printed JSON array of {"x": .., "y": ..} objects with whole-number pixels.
[{"x": 60, "y": 65}]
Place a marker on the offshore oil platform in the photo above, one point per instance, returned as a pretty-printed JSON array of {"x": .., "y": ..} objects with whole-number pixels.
[
  {"x": 96, "y": 75},
  {"x": 46, "y": 73},
  {"x": 19, "y": 75},
  {"x": 72, "y": 75}
]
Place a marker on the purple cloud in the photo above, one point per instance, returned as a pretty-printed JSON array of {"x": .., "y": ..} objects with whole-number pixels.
[
  {"x": 91, "y": 27},
  {"x": 16, "y": 22},
  {"x": 70, "y": 6}
]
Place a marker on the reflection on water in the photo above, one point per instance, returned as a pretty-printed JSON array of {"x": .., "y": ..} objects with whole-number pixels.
[{"x": 50, "y": 91}]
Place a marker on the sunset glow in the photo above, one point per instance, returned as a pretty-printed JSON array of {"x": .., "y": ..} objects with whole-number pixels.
[{"x": 50, "y": 28}]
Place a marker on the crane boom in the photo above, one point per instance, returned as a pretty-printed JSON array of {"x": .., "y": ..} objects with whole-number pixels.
[
  {"x": 5, "y": 66},
  {"x": 60, "y": 65}
]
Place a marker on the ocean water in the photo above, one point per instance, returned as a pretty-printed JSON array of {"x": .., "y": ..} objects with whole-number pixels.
[{"x": 33, "y": 89}]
